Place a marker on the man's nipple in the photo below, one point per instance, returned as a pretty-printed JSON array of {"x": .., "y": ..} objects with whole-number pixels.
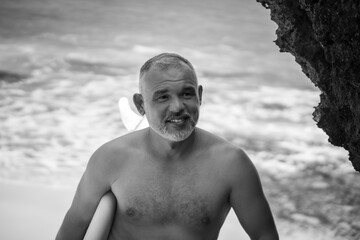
[
  {"x": 130, "y": 212},
  {"x": 205, "y": 220}
]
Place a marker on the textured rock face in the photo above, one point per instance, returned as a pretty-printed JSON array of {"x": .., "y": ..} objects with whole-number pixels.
[{"x": 324, "y": 37}]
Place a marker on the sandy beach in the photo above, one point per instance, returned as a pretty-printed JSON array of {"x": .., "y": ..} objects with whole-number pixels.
[{"x": 32, "y": 211}]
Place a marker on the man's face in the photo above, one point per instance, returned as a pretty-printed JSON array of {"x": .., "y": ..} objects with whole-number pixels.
[{"x": 172, "y": 100}]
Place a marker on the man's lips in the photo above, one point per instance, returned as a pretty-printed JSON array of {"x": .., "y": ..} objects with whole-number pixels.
[{"x": 177, "y": 120}]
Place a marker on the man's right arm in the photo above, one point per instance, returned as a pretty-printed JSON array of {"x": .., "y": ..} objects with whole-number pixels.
[{"x": 95, "y": 182}]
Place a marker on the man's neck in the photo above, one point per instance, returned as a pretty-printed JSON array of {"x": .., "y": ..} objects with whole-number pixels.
[{"x": 168, "y": 149}]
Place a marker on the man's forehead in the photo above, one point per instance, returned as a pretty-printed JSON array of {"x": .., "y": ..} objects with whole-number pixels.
[{"x": 168, "y": 88}]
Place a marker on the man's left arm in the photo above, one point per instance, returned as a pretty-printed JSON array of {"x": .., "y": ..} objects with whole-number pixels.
[{"x": 248, "y": 200}]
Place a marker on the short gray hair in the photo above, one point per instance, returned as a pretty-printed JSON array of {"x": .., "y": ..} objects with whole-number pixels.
[{"x": 164, "y": 61}]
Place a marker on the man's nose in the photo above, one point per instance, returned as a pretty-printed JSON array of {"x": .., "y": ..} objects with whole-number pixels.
[{"x": 176, "y": 105}]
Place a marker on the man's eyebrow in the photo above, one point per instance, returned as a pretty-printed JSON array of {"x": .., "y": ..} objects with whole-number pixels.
[
  {"x": 189, "y": 88},
  {"x": 161, "y": 91}
]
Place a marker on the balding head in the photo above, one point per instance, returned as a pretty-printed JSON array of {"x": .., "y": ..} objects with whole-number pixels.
[{"x": 163, "y": 62}]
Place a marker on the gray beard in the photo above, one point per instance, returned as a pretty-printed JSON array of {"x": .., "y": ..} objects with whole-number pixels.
[{"x": 176, "y": 136}]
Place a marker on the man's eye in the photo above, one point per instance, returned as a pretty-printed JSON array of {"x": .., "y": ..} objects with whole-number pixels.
[
  {"x": 162, "y": 98},
  {"x": 187, "y": 95}
]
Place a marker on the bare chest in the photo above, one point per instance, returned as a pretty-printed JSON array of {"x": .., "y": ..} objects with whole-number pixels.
[{"x": 152, "y": 198}]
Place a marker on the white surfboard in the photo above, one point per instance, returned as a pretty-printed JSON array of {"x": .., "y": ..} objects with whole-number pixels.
[
  {"x": 130, "y": 119},
  {"x": 101, "y": 222}
]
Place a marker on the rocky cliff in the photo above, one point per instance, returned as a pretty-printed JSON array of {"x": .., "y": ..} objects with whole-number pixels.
[{"x": 324, "y": 37}]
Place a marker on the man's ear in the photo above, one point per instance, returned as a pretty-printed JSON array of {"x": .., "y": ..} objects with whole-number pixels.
[
  {"x": 200, "y": 91},
  {"x": 139, "y": 103}
]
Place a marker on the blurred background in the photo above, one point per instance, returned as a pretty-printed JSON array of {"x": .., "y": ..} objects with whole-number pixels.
[{"x": 64, "y": 64}]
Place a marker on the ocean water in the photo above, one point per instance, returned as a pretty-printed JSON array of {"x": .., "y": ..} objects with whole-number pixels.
[{"x": 64, "y": 64}]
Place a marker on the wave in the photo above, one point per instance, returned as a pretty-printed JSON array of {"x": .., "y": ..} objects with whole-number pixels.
[{"x": 12, "y": 77}]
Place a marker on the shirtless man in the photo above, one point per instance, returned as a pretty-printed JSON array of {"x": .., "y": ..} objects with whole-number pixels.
[{"x": 172, "y": 180}]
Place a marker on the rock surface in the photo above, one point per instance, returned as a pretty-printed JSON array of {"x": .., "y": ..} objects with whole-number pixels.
[{"x": 324, "y": 37}]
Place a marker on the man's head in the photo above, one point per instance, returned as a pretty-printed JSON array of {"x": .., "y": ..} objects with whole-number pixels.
[{"x": 169, "y": 96}]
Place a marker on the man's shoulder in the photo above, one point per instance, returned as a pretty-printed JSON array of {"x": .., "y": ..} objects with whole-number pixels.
[
  {"x": 124, "y": 142},
  {"x": 231, "y": 161},
  {"x": 120, "y": 148},
  {"x": 111, "y": 158},
  {"x": 221, "y": 145},
  {"x": 224, "y": 152}
]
